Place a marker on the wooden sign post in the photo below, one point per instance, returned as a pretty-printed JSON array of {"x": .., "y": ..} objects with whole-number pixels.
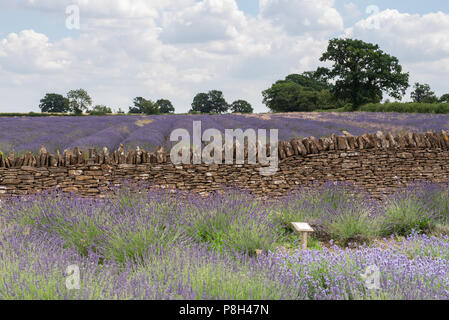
[{"x": 303, "y": 229}]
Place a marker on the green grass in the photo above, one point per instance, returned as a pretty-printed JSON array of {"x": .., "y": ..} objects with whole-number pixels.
[{"x": 407, "y": 107}]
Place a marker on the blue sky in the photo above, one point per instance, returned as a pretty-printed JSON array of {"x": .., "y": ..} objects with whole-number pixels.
[
  {"x": 252, "y": 6},
  {"x": 175, "y": 49},
  {"x": 13, "y": 19},
  {"x": 16, "y": 19}
]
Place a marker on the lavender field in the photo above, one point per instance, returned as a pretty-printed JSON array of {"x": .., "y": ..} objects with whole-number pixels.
[
  {"x": 157, "y": 245},
  {"x": 140, "y": 244},
  {"x": 21, "y": 134}
]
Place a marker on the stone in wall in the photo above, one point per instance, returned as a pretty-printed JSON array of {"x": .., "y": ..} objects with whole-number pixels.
[{"x": 378, "y": 162}]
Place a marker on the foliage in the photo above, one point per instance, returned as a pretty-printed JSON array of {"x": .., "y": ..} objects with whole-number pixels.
[
  {"x": 79, "y": 101},
  {"x": 288, "y": 96},
  {"x": 404, "y": 216},
  {"x": 310, "y": 79},
  {"x": 121, "y": 226},
  {"x": 337, "y": 211},
  {"x": 53, "y": 102},
  {"x": 141, "y": 244},
  {"x": 100, "y": 110},
  {"x": 362, "y": 72},
  {"x": 304, "y": 92},
  {"x": 423, "y": 94},
  {"x": 417, "y": 208},
  {"x": 142, "y": 105},
  {"x": 444, "y": 98},
  {"x": 28, "y": 132},
  {"x": 165, "y": 106},
  {"x": 201, "y": 104},
  {"x": 211, "y": 102},
  {"x": 241, "y": 106},
  {"x": 233, "y": 221},
  {"x": 408, "y": 107}
]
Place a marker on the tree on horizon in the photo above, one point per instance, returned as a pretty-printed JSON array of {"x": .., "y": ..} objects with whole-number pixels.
[
  {"x": 362, "y": 72},
  {"x": 53, "y": 102}
]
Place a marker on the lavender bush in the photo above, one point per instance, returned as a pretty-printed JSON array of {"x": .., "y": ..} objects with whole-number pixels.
[
  {"x": 413, "y": 268},
  {"x": 418, "y": 207},
  {"x": 21, "y": 134},
  {"x": 138, "y": 244},
  {"x": 234, "y": 219},
  {"x": 338, "y": 211}
]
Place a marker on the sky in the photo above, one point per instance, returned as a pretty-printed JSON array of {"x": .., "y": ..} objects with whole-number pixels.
[{"x": 174, "y": 49}]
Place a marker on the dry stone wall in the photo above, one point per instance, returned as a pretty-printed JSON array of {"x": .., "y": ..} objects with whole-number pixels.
[{"x": 380, "y": 163}]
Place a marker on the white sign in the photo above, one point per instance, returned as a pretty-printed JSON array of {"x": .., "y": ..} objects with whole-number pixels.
[
  {"x": 372, "y": 277},
  {"x": 72, "y": 282},
  {"x": 302, "y": 227}
]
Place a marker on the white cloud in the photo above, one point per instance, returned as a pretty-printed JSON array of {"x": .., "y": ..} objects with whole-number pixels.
[
  {"x": 351, "y": 10},
  {"x": 416, "y": 36},
  {"x": 31, "y": 52},
  {"x": 104, "y": 8},
  {"x": 184, "y": 48},
  {"x": 301, "y": 16},
  {"x": 175, "y": 49},
  {"x": 420, "y": 42},
  {"x": 205, "y": 21}
]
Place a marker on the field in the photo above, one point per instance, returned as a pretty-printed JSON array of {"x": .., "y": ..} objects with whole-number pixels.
[
  {"x": 21, "y": 134},
  {"x": 140, "y": 244},
  {"x": 155, "y": 245}
]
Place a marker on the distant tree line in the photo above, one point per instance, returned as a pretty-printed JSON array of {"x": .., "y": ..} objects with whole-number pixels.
[
  {"x": 214, "y": 102},
  {"x": 423, "y": 94},
  {"x": 78, "y": 102},
  {"x": 408, "y": 107},
  {"x": 144, "y": 106},
  {"x": 360, "y": 74}
]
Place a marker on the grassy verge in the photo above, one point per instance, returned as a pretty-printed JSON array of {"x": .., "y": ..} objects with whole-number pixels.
[{"x": 407, "y": 107}]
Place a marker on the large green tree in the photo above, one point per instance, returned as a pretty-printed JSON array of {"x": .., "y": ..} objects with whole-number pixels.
[
  {"x": 79, "y": 101},
  {"x": 361, "y": 72},
  {"x": 142, "y": 105},
  {"x": 423, "y": 94},
  {"x": 201, "y": 103},
  {"x": 444, "y": 98},
  {"x": 211, "y": 102},
  {"x": 310, "y": 79},
  {"x": 241, "y": 106},
  {"x": 289, "y": 96},
  {"x": 53, "y": 102},
  {"x": 165, "y": 106},
  {"x": 150, "y": 107}
]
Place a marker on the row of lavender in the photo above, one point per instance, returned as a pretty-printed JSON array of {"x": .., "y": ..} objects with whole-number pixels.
[
  {"x": 312, "y": 145},
  {"x": 33, "y": 268},
  {"x": 158, "y": 245},
  {"x": 27, "y": 133}
]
